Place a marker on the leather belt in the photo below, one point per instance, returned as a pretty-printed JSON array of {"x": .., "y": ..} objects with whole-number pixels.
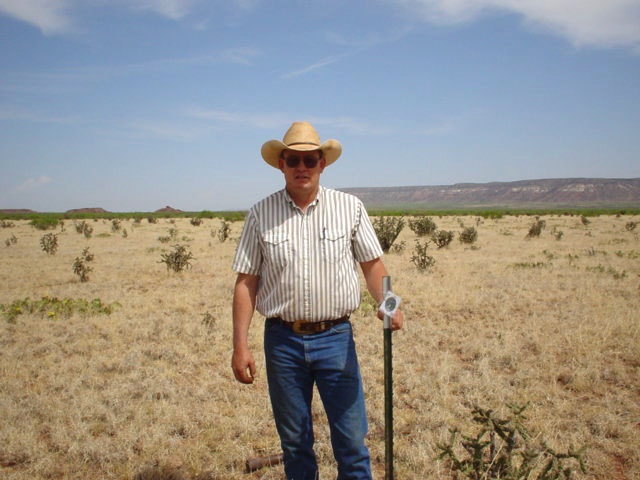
[{"x": 308, "y": 328}]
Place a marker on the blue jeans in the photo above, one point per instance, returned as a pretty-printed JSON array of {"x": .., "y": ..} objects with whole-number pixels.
[{"x": 328, "y": 359}]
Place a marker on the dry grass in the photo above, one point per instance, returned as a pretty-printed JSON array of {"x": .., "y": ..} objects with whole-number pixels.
[{"x": 149, "y": 391}]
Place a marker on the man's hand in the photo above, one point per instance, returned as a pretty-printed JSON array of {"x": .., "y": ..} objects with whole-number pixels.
[
  {"x": 373, "y": 271},
  {"x": 397, "y": 321},
  {"x": 244, "y": 301},
  {"x": 241, "y": 361}
]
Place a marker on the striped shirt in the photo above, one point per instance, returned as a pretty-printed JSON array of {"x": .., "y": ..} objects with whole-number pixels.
[{"x": 307, "y": 260}]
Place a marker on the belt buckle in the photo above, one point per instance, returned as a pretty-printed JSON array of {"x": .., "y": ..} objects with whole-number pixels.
[{"x": 297, "y": 328}]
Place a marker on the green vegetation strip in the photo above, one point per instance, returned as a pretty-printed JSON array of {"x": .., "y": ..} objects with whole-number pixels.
[
  {"x": 50, "y": 220},
  {"x": 501, "y": 212},
  {"x": 54, "y": 307}
]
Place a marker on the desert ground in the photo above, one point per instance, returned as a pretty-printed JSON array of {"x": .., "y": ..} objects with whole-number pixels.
[{"x": 508, "y": 319}]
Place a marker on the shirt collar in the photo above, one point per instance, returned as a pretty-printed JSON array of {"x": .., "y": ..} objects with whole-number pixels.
[{"x": 290, "y": 201}]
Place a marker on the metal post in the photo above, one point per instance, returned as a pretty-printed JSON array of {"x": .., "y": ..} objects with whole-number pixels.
[{"x": 388, "y": 390}]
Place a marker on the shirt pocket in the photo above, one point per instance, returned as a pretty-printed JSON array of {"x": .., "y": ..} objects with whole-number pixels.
[
  {"x": 334, "y": 245},
  {"x": 277, "y": 248}
]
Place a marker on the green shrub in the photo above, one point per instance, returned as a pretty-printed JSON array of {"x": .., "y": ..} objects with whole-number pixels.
[
  {"x": 387, "y": 230},
  {"x": 84, "y": 228},
  {"x": 80, "y": 266},
  {"x": 49, "y": 243},
  {"x": 422, "y": 226},
  {"x": 224, "y": 231},
  {"x": 152, "y": 220},
  {"x": 208, "y": 321},
  {"x": 536, "y": 228},
  {"x": 178, "y": 260},
  {"x": 368, "y": 305},
  {"x": 44, "y": 223},
  {"x": 12, "y": 240},
  {"x": 398, "y": 248},
  {"x": 115, "y": 225},
  {"x": 53, "y": 307},
  {"x": 6, "y": 224},
  {"x": 530, "y": 265},
  {"x": 442, "y": 238},
  {"x": 631, "y": 226},
  {"x": 469, "y": 235},
  {"x": 557, "y": 233},
  {"x": 196, "y": 221},
  {"x": 585, "y": 221},
  {"x": 420, "y": 258},
  {"x": 502, "y": 448}
]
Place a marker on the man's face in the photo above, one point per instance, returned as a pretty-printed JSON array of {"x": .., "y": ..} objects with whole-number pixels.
[{"x": 299, "y": 170}]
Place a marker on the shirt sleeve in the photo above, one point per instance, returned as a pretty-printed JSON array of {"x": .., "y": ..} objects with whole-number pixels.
[
  {"x": 248, "y": 257},
  {"x": 366, "y": 246}
]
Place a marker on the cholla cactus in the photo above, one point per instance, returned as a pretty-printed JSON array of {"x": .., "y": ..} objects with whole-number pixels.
[
  {"x": 223, "y": 231},
  {"x": 178, "y": 260},
  {"x": 387, "y": 230},
  {"x": 422, "y": 226},
  {"x": 49, "y": 243},
  {"x": 536, "y": 228},
  {"x": 420, "y": 258},
  {"x": 80, "y": 266},
  {"x": 442, "y": 238},
  {"x": 12, "y": 240},
  {"x": 502, "y": 448},
  {"x": 468, "y": 235}
]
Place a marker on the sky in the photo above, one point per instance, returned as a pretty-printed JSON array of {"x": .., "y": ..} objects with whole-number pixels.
[{"x": 131, "y": 105}]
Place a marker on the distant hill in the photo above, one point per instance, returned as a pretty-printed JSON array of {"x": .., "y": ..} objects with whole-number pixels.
[
  {"x": 87, "y": 210},
  {"x": 546, "y": 192},
  {"x": 16, "y": 211},
  {"x": 168, "y": 209}
]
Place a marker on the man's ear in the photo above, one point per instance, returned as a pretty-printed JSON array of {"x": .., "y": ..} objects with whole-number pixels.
[
  {"x": 323, "y": 163},
  {"x": 281, "y": 164}
]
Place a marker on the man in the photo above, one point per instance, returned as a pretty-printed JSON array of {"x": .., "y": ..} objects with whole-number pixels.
[{"x": 296, "y": 263}]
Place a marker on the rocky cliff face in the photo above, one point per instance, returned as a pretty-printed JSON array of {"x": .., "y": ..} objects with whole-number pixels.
[{"x": 552, "y": 191}]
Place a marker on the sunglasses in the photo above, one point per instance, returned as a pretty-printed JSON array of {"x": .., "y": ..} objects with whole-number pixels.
[{"x": 310, "y": 161}]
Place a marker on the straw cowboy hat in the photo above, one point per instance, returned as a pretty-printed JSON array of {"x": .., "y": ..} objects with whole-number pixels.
[{"x": 301, "y": 136}]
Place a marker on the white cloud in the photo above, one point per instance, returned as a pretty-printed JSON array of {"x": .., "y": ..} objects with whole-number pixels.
[
  {"x": 314, "y": 66},
  {"x": 281, "y": 121},
  {"x": 242, "y": 55},
  {"x": 47, "y": 15},
  {"x": 604, "y": 23},
  {"x": 246, "y": 4},
  {"x": 168, "y": 131},
  {"x": 18, "y": 114},
  {"x": 366, "y": 39},
  {"x": 33, "y": 183},
  {"x": 173, "y": 9},
  {"x": 70, "y": 79},
  {"x": 349, "y": 124},
  {"x": 53, "y": 16},
  {"x": 273, "y": 120}
]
